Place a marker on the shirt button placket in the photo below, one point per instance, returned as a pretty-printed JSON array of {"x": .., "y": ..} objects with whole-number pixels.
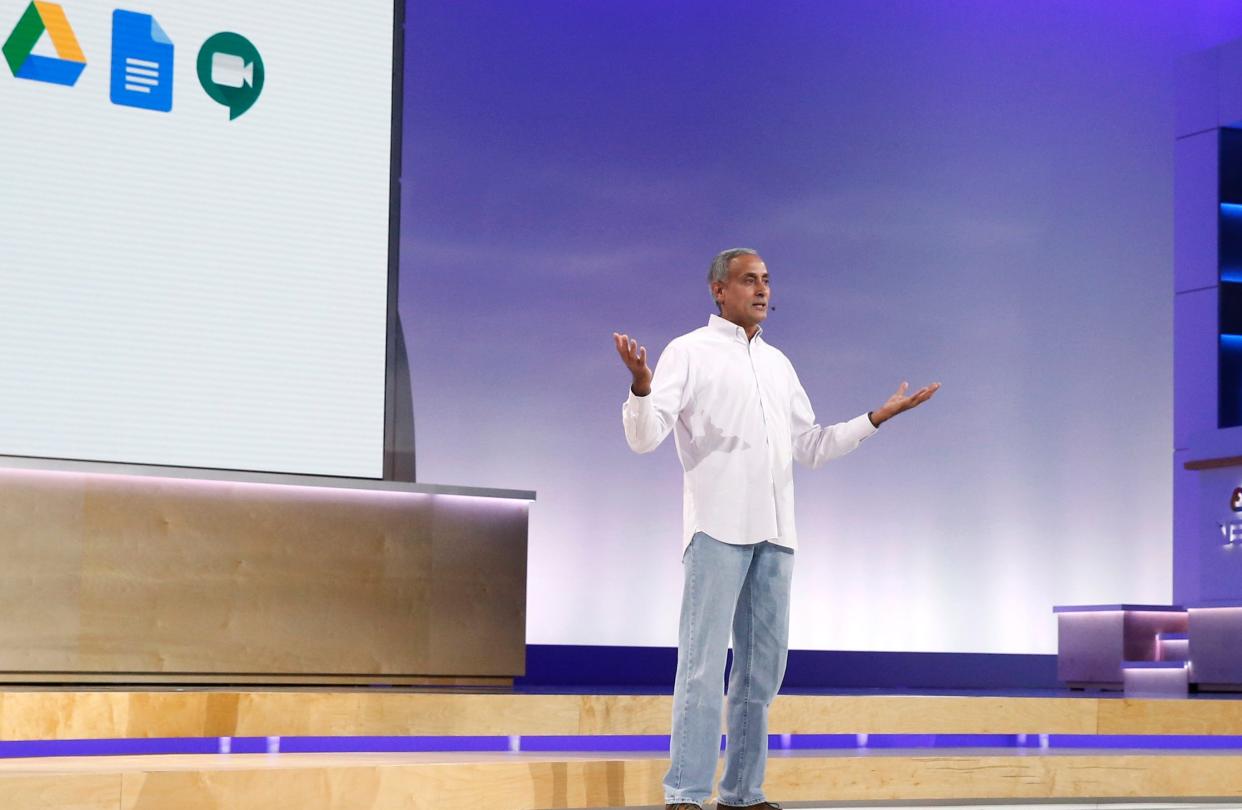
[{"x": 767, "y": 443}]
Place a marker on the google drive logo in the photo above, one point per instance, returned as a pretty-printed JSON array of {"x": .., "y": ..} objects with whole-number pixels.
[{"x": 65, "y": 67}]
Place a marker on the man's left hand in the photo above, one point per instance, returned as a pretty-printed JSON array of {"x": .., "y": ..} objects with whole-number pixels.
[{"x": 899, "y": 402}]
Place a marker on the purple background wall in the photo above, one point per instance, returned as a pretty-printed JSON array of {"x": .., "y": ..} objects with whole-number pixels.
[{"x": 973, "y": 192}]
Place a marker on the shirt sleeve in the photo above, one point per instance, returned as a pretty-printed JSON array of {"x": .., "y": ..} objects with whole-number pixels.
[
  {"x": 647, "y": 420},
  {"x": 813, "y": 444}
]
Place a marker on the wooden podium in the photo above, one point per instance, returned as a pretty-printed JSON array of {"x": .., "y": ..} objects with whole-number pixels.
[{"x": 113, "y": 578}]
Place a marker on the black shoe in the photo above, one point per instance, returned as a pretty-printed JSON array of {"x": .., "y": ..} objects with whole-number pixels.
[{"x": 759, "y": 806}]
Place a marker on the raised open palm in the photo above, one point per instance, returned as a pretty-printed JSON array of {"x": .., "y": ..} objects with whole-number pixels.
[{"x": 635, "y": 359}]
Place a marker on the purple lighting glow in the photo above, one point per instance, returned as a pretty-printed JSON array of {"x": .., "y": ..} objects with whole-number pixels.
[{"x": 597, "y": 744}]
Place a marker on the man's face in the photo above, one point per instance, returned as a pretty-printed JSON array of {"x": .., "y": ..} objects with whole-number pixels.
[{"x": 744, "y": 296}]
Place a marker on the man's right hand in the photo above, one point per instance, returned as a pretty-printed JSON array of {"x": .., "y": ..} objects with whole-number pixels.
[{"x": 635, "y": 359}]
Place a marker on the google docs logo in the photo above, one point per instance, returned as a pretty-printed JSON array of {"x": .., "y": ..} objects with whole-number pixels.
[
  {"x": 65, "y": 67},
  {"x": 142, "y": 62}
]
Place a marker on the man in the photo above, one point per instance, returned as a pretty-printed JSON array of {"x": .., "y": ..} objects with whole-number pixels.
[{"x": 740, "y": 418}]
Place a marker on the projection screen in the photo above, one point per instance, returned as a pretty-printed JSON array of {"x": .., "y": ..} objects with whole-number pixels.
[{"x": 197, "y": 234}]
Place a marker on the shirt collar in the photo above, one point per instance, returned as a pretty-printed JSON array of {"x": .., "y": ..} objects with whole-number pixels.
[{"x": 729, "y": 328}]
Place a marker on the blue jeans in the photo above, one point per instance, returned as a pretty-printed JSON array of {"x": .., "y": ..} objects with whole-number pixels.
[{"x": 746, "y": 587}]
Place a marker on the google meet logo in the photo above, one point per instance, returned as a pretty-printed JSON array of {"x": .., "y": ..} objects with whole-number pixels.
[{"x": 229, "y": 66}]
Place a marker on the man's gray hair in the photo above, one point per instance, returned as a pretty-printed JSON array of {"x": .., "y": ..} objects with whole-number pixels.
[{"x": 719, "y": 268}]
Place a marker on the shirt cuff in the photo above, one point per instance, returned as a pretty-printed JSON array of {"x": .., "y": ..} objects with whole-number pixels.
[
  {"x": 636, "y": 403},
  {"x": 861, "y": 427}
]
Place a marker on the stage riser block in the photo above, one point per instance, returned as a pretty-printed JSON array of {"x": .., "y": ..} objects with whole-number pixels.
[{"x": 58, "y": 715}]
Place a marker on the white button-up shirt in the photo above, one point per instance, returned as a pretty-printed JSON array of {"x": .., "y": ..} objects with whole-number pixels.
[{"x": 740, "y": 417}]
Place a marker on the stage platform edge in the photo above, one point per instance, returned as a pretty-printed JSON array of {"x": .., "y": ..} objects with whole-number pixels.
[
  {"x": 541, "y": 782},
  {"x": 76, "y": 714}
]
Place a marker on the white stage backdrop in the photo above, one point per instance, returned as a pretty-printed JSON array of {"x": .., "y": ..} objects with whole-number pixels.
[
  {"x": 194, "y": 233},
  {"x": 959, "y": 190}
]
